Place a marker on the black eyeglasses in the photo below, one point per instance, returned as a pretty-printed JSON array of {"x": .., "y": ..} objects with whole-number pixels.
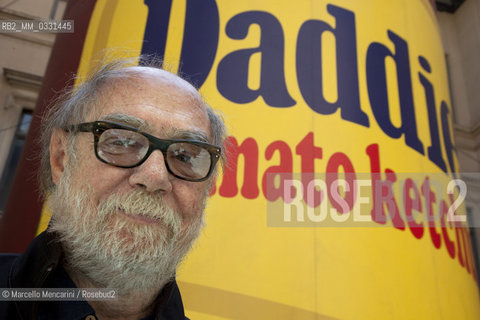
[{"x": 126, "y": 147}]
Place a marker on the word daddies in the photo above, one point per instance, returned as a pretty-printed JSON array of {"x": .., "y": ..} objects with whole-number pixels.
[{"x": 199, "y": 49}]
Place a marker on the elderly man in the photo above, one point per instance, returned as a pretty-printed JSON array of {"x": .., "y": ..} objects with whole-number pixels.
[{"x": 128, "y": 161}]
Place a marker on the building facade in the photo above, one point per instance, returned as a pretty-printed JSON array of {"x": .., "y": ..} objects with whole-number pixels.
[
  {"x": 23, "y": 60},
  {"x": 460, "y": 30}
]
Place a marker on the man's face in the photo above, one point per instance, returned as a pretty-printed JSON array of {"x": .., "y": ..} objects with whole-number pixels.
[
  {"x": 170, "y": 110},
  {"x": 141, "y": 208}
]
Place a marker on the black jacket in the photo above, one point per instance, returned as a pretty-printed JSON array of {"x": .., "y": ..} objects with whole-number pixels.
[{"x": 33, "y": 269}]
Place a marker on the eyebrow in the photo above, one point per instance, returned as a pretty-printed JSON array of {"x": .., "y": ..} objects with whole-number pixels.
[
  {"x": 143, "y": 125},
  {"x": 132, "y": 121},
  {"x": 190, "y": 135}
]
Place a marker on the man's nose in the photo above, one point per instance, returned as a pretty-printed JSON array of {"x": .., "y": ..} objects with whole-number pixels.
[{"x": 152, "y": 174}]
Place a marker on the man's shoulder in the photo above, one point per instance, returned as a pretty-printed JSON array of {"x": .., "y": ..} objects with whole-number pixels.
[
  {"x": 26, "y": 270},
  {"x": 6, "y": 262},
  {"x": 6, "y": 258}
]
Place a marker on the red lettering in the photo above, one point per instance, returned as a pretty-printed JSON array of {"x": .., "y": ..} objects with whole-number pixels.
[
  {"x": 464, "y": 245},
  {"x": 336, "y": 160},
  {"x": 448, "y": 243},
  {"x": 249, "y": 150},
  {"x": 309, "y": 152},
  {"x": 283, "y": 170},
  {"x": 430, "y": 200},
  {"x": 412, "y": 204},
  {"x": 382, "y": 191}
]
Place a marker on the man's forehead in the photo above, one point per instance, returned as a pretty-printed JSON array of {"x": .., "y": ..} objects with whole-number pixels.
[
  {"x": 140, "y": 80},
  {"x": 154, "y": 101},
  {"x": 162, "y": 79}
]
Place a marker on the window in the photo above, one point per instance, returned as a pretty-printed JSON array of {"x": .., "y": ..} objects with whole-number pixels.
[{"x": 18, "y": 141}]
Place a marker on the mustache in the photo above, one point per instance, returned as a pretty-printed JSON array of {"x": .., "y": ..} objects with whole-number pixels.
[
  {"x": 136, "y": 202},
  {"x": 139, "y": 202}
]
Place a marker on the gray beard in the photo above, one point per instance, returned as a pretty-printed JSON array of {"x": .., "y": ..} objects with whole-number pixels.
[{"x": 111, "y": 251}]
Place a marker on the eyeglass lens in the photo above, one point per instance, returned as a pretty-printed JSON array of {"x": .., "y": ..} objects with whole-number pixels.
[{"x": 127, "y": 148}]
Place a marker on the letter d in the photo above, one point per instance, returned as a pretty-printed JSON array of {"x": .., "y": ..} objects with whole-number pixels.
[{"x": 200, "y": 36}]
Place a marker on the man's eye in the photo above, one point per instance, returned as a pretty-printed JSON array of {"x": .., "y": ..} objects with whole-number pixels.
[
  {"x": 123, "y": 142},
  {"x": 182, "y": 156}
]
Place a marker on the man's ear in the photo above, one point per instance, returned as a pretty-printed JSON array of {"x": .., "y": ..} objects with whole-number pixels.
[{"x": 58, "y": 153}]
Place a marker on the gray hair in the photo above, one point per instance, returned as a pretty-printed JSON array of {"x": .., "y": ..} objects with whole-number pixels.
[{"x": 74, "y": 105}]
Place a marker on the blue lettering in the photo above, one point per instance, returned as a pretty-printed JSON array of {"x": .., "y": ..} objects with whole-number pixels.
[
  {"x": 232, "y": 73},
  {"x": 434, "y": 151},
  {"x": 449, "y": 148},
  {"x": 377, "y": 90},
  {"x": 200, "y": 37},
  {"x": 309, "y": 66}
]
